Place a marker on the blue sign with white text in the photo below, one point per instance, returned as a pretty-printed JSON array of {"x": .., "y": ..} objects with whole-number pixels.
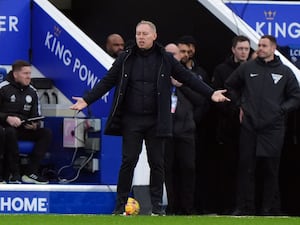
[
  {"x": 60, "y": 57},
  {"x": 24, "y": 202},
  {"x": 280, "y": 20},
  {"x": 14, "y": 30}
]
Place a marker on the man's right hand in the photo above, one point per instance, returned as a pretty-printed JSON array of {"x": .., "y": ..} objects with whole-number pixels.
[
  {"x": 13, "y": 121},
  {"x": 79, "y": 105}
]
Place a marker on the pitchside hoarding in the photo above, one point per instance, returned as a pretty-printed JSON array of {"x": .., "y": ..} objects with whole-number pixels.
[
  {"x": 14, "y": 30},
  {"x": 24, "y": 202},
  {"x": 61, "y": 199}
]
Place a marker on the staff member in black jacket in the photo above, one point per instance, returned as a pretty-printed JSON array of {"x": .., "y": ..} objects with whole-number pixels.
[
  {"x": 269, "y": 90},
  {"x": 180, "y": 168},
  {"x": 228, "y": 125},
  {"x": 19, "y": 101},
  {"x": 141, "y": 107}
]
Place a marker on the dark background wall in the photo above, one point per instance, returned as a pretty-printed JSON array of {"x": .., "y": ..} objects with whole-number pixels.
[{"x": 173, "y": 18}]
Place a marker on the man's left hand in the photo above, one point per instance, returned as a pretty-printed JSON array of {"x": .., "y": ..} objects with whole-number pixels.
[
  {"x": 31, "y": 126},
  {"x": 218, "y": 96}
]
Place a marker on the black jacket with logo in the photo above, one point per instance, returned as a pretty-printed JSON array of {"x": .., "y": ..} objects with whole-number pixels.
[
  {"x": 269, "y": 90},
  {"x": 17, "y": 100}
]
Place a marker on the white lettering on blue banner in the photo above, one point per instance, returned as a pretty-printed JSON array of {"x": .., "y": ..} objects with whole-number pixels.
[
  {"x": 280, "y": 19},
  {"x": 9, "y": 23},
  {"x": 15, "y": 30},
  {"x": 279, "y": 29},
  {"x": 65, "y": 55},
  {"x": 58, "y": 49},
  {"x": 24, "y": 204},
  {"x": 295, "y": 52}
]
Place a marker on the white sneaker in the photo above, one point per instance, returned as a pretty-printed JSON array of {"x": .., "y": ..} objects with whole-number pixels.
[{"x": 34, "y": 179}]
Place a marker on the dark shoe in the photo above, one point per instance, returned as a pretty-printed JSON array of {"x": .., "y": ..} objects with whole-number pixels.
[
  {"x": 14, "y": 179},
  {"x": 270, "y": 212},
  {"x": 158, "y": 212},
  {"x": 119, "y": 210},
  {"x": 2, "y": 181},
  {"x": 119, "y": 213},
  {"x": 170, "y": 212},
  {"x": 243, "y": 212},
  {"x": 34, "y": 179}
]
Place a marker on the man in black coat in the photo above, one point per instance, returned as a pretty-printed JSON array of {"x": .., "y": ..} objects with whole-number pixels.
[
  {"x": 180, "y": 152},
  {"x": 141, "y": 108},
  {"x": 228, "y": 125},
  {"x": 268, "y": 91}
]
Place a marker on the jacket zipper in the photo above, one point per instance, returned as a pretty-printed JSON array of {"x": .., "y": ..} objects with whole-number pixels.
[{"x": 118, "y": 96}]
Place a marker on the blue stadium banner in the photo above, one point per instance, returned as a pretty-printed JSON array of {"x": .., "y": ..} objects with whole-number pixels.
[
  {"x": 24, "y": 202},
  {"x": 14, "y": 30},
  {"x": 279, "y": 19},
  {"x": 59, "y": 56}
]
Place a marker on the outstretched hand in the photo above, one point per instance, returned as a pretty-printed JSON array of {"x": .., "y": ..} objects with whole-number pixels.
[
  {"x": 218, "y": 96},
  {"x": 79, "y": 105}
]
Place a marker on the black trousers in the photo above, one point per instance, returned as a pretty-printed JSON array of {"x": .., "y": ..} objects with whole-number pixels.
[
  {"x": 180, "y": 174},
  {"x": 2, "y": 151},
  {"x": 136, "y": 129},
  {"x": 247, "y": 171},
  {"x": 42, "y": 138},
  {"x": 9, "y": 152}
]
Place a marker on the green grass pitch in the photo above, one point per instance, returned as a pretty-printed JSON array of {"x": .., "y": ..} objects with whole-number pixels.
[{"x": 50, "y": 219}]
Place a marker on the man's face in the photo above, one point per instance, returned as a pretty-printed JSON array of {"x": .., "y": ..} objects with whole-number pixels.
[
  {"x": 184, "y": 51},
  {"x": 23, "y": 76},
  {"x": 266, "y": 49},
  {"x": 192, "y": 50},
  {"x": 241, "y": 51},
  {"x": 145, "y": 36},
  {"x": 115, "y": 46}
]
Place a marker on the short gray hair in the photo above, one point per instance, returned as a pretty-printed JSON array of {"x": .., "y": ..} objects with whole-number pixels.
[{"x": 149, "y": 23}]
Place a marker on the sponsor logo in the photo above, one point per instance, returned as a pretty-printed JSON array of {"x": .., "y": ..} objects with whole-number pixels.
[
  {"x": 27, "y": 107},
  {"x": 13, "y": 98},
  {"x": 28, "y": 99},
  {"x": 295, "y": 52},
  {"x": 279, "y": 20},
  {"x": 278, "y": 29},
  {"x": 253, "y": 74},
  {"x": 270, "y": 15},
  {"x": 283, "y": 29},
  {"x": 276, "y": 77},
  {"x": 59, "y": 49}
]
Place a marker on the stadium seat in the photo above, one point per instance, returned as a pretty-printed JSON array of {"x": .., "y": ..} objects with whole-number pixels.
[
  {"x": 3, "y": 73},
  {"x": 25, "y": 147}
]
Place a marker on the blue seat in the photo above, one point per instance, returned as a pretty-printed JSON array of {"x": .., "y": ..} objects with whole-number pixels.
[
  {"x": 3, "y": 73},
  {"x": 25, "y": 147}
]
